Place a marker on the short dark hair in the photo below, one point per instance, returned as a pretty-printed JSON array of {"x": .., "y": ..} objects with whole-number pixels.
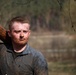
[{"x": 21, "y": 19}]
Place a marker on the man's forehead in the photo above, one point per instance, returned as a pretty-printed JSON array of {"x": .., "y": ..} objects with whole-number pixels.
[{"x": 19, "y": 25}]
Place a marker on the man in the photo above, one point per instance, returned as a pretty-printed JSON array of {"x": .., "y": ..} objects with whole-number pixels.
[{"x": 17, "y": 57}]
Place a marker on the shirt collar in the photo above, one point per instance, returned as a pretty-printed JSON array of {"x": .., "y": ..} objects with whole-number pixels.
[{"x": 25, "y": 52}]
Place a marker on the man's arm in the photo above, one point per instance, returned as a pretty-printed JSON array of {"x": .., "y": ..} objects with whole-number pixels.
[{"x": 40, "y": 65}]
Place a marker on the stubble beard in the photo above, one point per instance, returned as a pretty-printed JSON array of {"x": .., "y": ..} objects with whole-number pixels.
[{"x": 20, "y": 42}]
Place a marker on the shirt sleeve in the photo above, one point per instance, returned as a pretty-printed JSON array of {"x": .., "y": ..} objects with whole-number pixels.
[{"x": 40, "y": 65}]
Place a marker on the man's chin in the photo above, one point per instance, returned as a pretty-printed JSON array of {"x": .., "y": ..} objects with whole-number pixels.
[{"x": 21, "y": 43}]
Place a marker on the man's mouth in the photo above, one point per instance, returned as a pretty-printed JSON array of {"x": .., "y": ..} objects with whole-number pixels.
[{"x": 22, "y": 39}]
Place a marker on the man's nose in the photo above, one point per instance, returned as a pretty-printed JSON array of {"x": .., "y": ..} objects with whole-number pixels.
[{"x": 21, "y": 34}]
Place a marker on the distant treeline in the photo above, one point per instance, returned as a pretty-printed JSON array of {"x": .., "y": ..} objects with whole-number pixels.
[{"x": 44, "y": 14}]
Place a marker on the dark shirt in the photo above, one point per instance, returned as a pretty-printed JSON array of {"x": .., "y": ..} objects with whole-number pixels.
[{"x": 28, "y": 62}]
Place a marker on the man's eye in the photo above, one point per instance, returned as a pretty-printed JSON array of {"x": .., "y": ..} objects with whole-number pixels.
[
  {"x": 25, "y": 31},
  {"x": 17, "y": 31}
]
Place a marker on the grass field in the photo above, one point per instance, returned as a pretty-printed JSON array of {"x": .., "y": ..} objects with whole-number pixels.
[{"x": 62, "y": 68}]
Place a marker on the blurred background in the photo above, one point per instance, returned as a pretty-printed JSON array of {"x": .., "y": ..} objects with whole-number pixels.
[{"x": 53, "y": 26}]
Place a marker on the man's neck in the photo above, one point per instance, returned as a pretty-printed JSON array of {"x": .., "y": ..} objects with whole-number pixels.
[{"x": 19, "y": 49}]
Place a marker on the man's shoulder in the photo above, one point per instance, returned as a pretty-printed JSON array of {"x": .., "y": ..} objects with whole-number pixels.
[
  {"x": 39, "y": 58},
  {"x": 1, "y": 45},
  {"x": 36, "y": 53}
]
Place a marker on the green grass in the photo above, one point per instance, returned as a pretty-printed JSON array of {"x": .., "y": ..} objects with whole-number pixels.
[{"x": 62, "y": 68}]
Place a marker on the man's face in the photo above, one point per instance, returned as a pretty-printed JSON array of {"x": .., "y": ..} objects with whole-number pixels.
[{"x": 19, "y": 33}]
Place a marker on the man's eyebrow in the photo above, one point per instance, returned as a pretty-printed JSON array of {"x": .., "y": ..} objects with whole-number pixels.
[
  {"x": 17, "y": 30},
  {"x": 20, "y": 30}
]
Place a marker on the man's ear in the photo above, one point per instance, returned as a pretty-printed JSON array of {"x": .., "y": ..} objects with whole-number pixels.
[{"x": 9, "y": 33}]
